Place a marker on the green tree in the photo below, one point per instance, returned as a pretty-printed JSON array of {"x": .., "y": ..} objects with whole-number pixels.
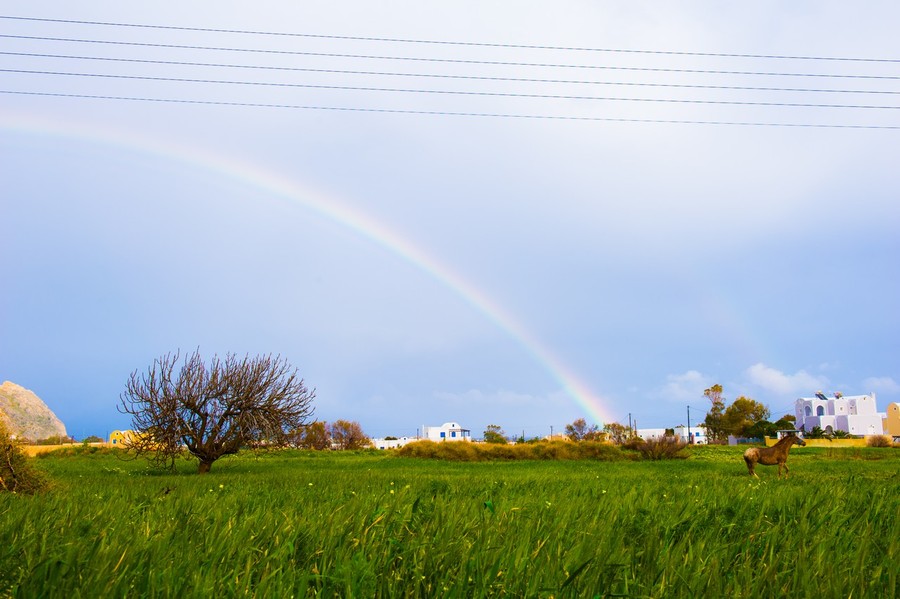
[
  {"x": 761, "y": 429},
  {"x": 494, "y": 434},
  {"x": 714, "y": 421},
  {"x": 743, "y": 415},
  {"x": 785, "y": 423},
  {"x": 213, "y": 410}
]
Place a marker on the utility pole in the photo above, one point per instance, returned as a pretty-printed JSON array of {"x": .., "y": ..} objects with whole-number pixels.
[
  {"x": 690, "y": 439},
  {"x": 629, "y": 420}
]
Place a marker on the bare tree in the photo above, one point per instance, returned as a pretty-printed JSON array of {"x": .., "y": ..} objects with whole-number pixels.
[
  {"x": 314, "y": 435},
  {"x": 618, "y": 433},
  {"x": 580, "y": 431},
  {"x": 348, "y": 435},
  {"x": 216, "y": 410},
  {"x": 715, "y": 418}
]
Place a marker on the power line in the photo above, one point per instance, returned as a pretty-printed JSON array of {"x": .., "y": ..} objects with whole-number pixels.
[
  {"x": 457, "y": 77},
  {"x": 453, "y": 43},
  {"x": 449, "y": 113},
  {"x": 447, "y": 60},
  {"x": 454, "y": 92}
]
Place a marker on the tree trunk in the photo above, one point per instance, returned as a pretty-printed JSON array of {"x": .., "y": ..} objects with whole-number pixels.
[{"x": 204, "y": 467}]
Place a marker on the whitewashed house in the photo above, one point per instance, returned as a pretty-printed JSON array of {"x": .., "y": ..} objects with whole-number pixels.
[
  {"x": 393, "y": 443},
  {"x": 855, "y": 414},
  {"x": 648, "y": 434},
  {"x": 449, "y": 431},
  {"x": 697, "y": 433}
]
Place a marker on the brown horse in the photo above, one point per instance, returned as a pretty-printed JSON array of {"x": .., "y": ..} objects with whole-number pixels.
[{"x": 769, "y": 456}]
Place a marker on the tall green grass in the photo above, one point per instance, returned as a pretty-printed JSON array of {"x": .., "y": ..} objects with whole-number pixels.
[{"x": 375, "y": 525}]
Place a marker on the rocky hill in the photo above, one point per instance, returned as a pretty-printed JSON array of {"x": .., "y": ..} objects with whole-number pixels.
[{"x": 26, "y": 415}]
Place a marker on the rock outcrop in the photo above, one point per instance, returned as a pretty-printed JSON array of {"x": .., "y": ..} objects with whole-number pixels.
[{"x": 26, "y": 415}]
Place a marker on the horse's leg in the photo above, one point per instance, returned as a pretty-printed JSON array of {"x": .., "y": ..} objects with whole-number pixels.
[
  {"x": 786, "y": 470},
  {"x": 750, "y": 466}
]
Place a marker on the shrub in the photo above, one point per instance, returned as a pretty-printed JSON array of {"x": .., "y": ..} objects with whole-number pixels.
[
  {"x": 664, "y": 448},
  {"x": 55, "y": 440},
  {"x": 17, "y": 475},
  {"x": 879, "y": 441},
  {"x": 633, "y": 443}
]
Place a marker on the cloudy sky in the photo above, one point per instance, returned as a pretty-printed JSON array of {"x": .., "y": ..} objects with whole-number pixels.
[{"x": 576, "y": 209}]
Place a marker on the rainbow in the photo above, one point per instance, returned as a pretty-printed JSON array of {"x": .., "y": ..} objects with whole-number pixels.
[{"x": 331, "y": 208}]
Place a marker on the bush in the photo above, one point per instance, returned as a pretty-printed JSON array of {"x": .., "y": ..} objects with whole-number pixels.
[
  {"x": 879, "y": 441},
  {"x": 17, "y": 475},
  {"x": 633, "y": 443},
  {"x": 74, "y": 450},
  {"x": 55, "y": 440},
  {"x": 663, "y": 448}
]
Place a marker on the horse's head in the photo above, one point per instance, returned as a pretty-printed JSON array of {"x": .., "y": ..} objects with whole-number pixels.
[{"x": 799, "y": 440}]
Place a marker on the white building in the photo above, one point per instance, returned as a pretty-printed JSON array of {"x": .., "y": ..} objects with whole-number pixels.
[
  {"x": 392, "y": 443},
  {"x": 855, "y": 414},
  {"x": 648, "y": 434},
  {"x": 697, "y": 433},
  {"x": 449, "y": 431}
]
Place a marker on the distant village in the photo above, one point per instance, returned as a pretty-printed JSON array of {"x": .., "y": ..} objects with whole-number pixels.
[
  {"x": 821, "y": 415},
  {"x": 856, "y": 415}
]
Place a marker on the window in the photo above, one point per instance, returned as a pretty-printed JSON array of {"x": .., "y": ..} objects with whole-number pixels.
[
  {"x": 808, "y": 411},
  {"x": 820, "y": 411},
  {"x": 443, "y": 434},
  {"x": 453, "y": 434}
]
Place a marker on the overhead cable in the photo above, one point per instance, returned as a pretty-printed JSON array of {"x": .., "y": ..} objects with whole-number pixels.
[
  {"x": 450, "y": 113},
  {"x": 450, "y": 43},
  {"x": 448, "y": 76},
  {"x": 453, "y": 92},
  {"x": 446, "y": 60}
]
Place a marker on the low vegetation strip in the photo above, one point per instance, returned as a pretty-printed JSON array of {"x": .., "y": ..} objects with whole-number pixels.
[
  {"x": 486, "y": 452},
  {"x": 656, "y": 449},
  {"x": 308, "y": 524}
]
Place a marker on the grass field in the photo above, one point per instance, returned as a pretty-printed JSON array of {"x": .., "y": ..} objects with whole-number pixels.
[{"x": 373, "y": 525}]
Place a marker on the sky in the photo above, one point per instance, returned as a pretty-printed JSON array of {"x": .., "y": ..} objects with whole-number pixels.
[{"x": 562, "y": 210}]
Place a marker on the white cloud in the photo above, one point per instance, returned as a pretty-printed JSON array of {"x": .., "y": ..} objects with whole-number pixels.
[
  {"x": 799, "y": 384},
  {"x": 685, "y": 387},
  {"x": 881, "y": 384}
]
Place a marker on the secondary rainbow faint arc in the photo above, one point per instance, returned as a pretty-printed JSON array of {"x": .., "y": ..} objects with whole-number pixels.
[{"x": 362, "y": 224}]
